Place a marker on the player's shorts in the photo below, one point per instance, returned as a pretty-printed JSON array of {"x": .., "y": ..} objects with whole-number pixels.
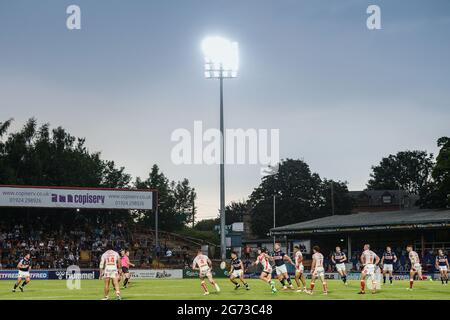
[
  {"x": 267, "y": 270},
  {"x": 417, "y": 267},
  {"x": 237, "y": 273},
  {"x": 300, "y": 268},
  {"x": 205, "y": 272},
  {"x": 281, "y": 269},
  {"x": 319, "y": 271},
  {"x": 388, "y": 267},
  {"x": 111, "y": 273},
  {"x": 23, "y": 274},
  {"x": 340, "y": 267},
  {"x": 125, "y": 270},
  {"x": 443, "y": 268},
  {"x": 369, "y": 269}
]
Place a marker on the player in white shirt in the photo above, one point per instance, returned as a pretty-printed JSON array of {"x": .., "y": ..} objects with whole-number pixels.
[
  {"x": 204, "y": 264},
  {"x": 318, "y": 270},
  {"x": 266, "y": 273},
  {"x": 416, "y": 267},
  {"x": 110, "y": 269},
  {"x": 299, "y": 270},
  {"x": 369, "y": 260}
]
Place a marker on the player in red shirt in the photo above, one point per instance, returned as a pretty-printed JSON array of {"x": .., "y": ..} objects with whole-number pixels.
[
  {"x": 266, "y": 274},
  {"x": 110, "y": 269}
]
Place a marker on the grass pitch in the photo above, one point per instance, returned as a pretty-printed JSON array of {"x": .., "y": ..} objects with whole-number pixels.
[{"x": 189, "y": 289}]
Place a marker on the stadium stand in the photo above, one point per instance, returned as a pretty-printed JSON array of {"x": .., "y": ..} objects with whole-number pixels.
[{"x": 83, "y": 246}]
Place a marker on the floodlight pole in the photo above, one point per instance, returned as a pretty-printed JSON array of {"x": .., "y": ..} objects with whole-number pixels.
[{"x": 223, "y": 245}]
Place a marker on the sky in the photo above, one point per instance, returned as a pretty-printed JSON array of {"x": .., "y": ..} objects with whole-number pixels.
[{"x": 341, "y": 95}]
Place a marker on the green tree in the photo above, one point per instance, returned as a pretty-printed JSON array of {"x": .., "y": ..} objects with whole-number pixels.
[
  {"x": 185, "y": 200},
  {"x": 176, "y": 201},
  {"x": 207, "y": 224},
  {"x": 39, "y": 156},
  {"x": 437, "y": 194},
  {"x": 343, "y": 203},
  {"x": 300, "y": 196},
  {"x": 235, "y": 211},
  {"x": 407, "y": 170}
]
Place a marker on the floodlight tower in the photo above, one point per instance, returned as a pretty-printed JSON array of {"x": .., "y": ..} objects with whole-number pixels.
[{"x": 221, "y": 62}]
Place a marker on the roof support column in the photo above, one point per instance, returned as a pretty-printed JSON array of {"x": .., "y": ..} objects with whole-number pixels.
[
  {"x": 422, "y": 244},
  {"x": 349, "y": 247}
]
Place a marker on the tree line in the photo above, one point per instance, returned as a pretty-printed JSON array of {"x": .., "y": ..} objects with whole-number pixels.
[
  {"x": 38, "y": 155},
  {"x": 302, "y": 195}
]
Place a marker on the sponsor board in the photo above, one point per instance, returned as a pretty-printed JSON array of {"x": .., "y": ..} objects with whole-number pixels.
[
  {"x": 78, "y": 198},
  {"x": 157, "y": 274},
  {"x": 304, "y": 245},
  {"x": 396, "y": 276},
  {"x": 218, "y": 273},
  {"x": 34, "y": 274},
  {"x": 84, "y": 274}
]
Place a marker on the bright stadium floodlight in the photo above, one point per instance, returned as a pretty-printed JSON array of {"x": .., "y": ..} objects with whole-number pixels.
[
  {"x": 221, "y": 58},
  {"x": 221, "y": 62}
]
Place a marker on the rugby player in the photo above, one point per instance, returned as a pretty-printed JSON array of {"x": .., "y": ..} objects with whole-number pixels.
[
  {"x": 338, "y": 257},
  {"x": 110, "y": 270},
  {"x": 369, "y": 260},
  {"x": 237, "y": 271},
  {"x": 317, "y": 270},
  {"x": 126, "y": 264},
  {"x": 387, "y": 260},
  {"x": 416, "y": 267},
  {"x": 299, "y": 270},
  {"x": 442, "y": 266},
  {"x": 203, "y": 264},
  {"x": 24, "y": 267},
  {"x": 278, "y": 256},
  {"x": 266, "y": 273}
]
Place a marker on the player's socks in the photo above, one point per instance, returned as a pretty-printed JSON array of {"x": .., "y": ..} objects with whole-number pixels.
[
  {"x": 344, "y": 279},
  {"x": 217, "y": 287},
  {"x": 205, "y": 288},
  {"x": 363, "y": 285},
  {"x": 312, "y": 286},
  {"x": 289, "y": 281},
  {"x": 283, "y": 282},
  {"x": 125, "y": 282},
  {"x": 16, "y": 285},
  {"x": 390, "y": 279},
  {"x": 411, "y": 282},
  {"x": 325, "y": 287},
  {"x": 234, "y": 282},
  {"x": 384, "y": 279}
]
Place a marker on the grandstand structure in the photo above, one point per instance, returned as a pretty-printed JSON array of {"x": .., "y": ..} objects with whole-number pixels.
[
  {"x": 427, "y": 230},
  {"x": 59, "y": 245}
]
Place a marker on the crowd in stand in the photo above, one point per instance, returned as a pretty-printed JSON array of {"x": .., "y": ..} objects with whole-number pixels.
[{"x": 80, "y": 245}]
